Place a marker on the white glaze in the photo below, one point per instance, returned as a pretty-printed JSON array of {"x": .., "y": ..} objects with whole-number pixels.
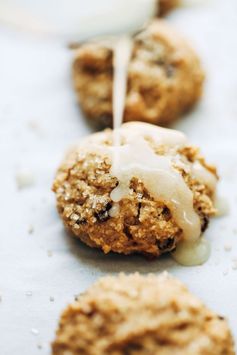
[
  {"x": 122, "y": 53},
  {"x": 203, "y": 175},
  {"x": 191, "y": 254},
  {"x": 137, "y": 159},
  {"x": 114, "y": 211},
  {"x": 222, "y": 206},
  {"x": 160, "y": 136}
]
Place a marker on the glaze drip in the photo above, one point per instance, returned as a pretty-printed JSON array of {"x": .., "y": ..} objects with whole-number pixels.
[{"x": 164, "y": 183}]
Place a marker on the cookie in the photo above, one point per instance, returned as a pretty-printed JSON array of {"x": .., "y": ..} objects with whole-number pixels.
[
  {"x": 139, "y": 222},
  {"x": 165, "y": 77},
  {"x": 134, "y": 314}
]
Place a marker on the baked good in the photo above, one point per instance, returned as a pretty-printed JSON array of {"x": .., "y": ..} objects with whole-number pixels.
[
  {"x": 165, "y": 77},
  {"x": 147, "y": 315},
  {"x": 97, "y": 207}
]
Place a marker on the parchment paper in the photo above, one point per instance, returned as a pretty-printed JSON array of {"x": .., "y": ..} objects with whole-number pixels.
[{"x": 41, "y": 267}]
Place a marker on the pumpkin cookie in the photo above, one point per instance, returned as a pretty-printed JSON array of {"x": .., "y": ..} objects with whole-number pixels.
[
  {"x": 165, "y": 77},
  {"x": 144, "y": 220},
  {"x": 141, "y": 315}
]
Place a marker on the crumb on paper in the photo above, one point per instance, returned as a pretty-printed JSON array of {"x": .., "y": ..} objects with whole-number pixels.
[
  {"x": 29, "y": 293},
  {"x": 35, "y": 127},
  {"x": 24, "y": 179},
  {"x": 217, "y": 262},
  {"x": 51, "y": 299},
  {"x": 33, "y": 124},
  {"x": 30, "y": 229},
  {"x": 34, "y": 331},
  {"x": 228, "y": 247},
  {"x": 73, "y": 45},
  {"x": 49, "y": 253},
  {"x": 234, "y": 265}
]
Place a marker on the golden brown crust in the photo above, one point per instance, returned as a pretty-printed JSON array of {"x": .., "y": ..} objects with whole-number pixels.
[
  {"x": 164, "y": 78},
  {"x": 138, "y": 315},
  {"x": 83, "y": 185}
]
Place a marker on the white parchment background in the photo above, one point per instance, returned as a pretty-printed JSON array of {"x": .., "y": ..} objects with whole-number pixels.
[{"x": 35, "y": 86}]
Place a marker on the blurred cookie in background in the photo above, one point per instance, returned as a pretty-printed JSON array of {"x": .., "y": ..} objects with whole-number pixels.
[{"x": 165, "y": 77}]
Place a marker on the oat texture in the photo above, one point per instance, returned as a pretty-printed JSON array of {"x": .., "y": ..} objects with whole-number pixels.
[
  {"x": 134, "y": 314},
  {"x": 83, "y": 185},
  {"x": 165, "y": 77}
]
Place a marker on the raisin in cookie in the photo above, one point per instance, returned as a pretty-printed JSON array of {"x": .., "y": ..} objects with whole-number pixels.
[
  {"x": 143, "y": 220},
  {"x": 165, "y": 77},
  {"x": 141, "y": 315}
]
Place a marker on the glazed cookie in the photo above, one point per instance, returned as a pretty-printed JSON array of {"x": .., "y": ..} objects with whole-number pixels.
[
  {"x": 165, "y": 77},
  {"x": 159, "y": 192},
  {"x": 135, "y": 314}
]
